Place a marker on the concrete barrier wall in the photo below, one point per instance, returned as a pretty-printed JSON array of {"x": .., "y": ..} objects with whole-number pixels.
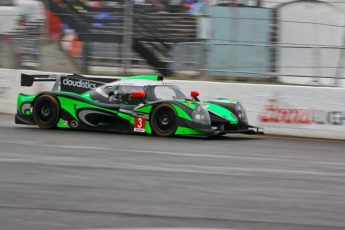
[
  {"x": 10, "y": 87},
  {"x": 281, "y": 110},
  {"x": 284, "y": 110}
]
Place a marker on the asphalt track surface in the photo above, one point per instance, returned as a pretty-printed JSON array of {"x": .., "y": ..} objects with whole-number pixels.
[{"x": 58, "y": 179}]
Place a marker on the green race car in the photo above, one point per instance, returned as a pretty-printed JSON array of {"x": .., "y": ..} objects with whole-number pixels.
[{"x": 138, "y": 104}]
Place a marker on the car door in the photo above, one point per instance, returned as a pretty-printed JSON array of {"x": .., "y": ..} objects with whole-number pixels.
[{"x": 120, "y": 100}]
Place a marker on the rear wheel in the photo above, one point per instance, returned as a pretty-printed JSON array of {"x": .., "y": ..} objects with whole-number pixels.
[
  {"x": 164, "y": 120},
  {"x": 46, "y": 111}
]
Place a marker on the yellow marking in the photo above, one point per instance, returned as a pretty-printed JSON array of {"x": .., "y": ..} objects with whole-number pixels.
[
  {"x": 4, "y": 115},
  {"x": 189, "y": 103}
]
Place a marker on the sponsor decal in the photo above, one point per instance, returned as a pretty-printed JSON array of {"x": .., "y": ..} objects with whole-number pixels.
[
  {"x": 74, "y": 123},
  {"x": 64, "y": 122},
  {"x": 139, "y": 124},
  {"x": 329, "y": 117},
  {"x": 274, "y": 114},
  {"x": 79, "y": 83},
  {"x": 189, "y": 103},
  {"x": 4, "y": 92}
]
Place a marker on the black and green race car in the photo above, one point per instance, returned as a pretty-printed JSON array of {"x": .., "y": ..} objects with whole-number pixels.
[{"x": 138, "y": 104}]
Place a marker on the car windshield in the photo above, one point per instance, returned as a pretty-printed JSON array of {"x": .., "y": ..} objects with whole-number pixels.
[
  {"x": 167, "y": 92},
  {"x": 129, "y": 89}
]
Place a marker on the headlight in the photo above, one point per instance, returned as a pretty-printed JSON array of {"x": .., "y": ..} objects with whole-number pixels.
[
  {"x": 239, "y": 107},
  {"x": 241, "y": 112},
  {"x": 200, "y": 115}
]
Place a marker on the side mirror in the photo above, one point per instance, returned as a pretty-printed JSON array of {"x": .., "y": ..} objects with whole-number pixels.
[
  {"x": 194, "y": 95},
  {"x": 138, "y": 95}
]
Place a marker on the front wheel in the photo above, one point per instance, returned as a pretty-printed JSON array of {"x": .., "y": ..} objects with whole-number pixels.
[
  {"x": 46, "y": 111},
  {"x": 164, "y": 120}
]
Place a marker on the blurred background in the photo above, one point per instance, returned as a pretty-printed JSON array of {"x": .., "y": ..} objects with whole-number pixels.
[
  {"x": 279, "y": 41},
  {"x": 54, "y": 179}
]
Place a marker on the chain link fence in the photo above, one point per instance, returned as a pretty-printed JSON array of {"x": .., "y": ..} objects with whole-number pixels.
[
  {"x": 314, "y": 64},
  {"x": 192, "y": 59},
  {"x": 320, "y": 65}
]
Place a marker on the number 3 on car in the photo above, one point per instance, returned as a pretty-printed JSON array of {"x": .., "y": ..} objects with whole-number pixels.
[{"x": 139, "y": 124}]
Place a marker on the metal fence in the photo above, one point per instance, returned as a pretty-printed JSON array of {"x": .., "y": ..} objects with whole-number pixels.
[
  {"x": 27, "y": 52},
  {"x": 104, "y": 58},
  {"x": 208, "y": 59},
  {"x": 314, "y": 64},
  {"x": 189, "y": 59},
  {"x": 322, "y": 65}
]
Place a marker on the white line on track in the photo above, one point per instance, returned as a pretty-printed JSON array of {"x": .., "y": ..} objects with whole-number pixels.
[
  {"x": 196, "y": 155},
  {"x": 117, "y": 150},
  {"x": 74, "y": 147},
  {"x": 328, "y": 163},
  {"x": 182, "y": 154}
]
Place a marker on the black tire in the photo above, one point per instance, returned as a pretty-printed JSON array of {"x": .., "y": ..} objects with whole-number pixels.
[
  {"x": 164, "y": 120},
  {"x": 46, "y": 111}
]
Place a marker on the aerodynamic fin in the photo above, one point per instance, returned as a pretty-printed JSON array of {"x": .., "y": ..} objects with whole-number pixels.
[{"x": 28, "y": 80}]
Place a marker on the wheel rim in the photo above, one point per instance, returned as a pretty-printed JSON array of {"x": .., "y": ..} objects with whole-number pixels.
[
  {"x": 165, "y": 120},
  {"x": 45, "y": 111}
]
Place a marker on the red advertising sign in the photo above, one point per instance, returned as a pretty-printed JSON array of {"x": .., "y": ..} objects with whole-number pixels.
[{"x": 274, "y": 114}]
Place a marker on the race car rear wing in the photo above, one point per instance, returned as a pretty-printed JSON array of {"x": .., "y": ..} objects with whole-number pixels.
[
  {"x": 71, "y": 83},
  {"x": 28, "y": 80}
]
